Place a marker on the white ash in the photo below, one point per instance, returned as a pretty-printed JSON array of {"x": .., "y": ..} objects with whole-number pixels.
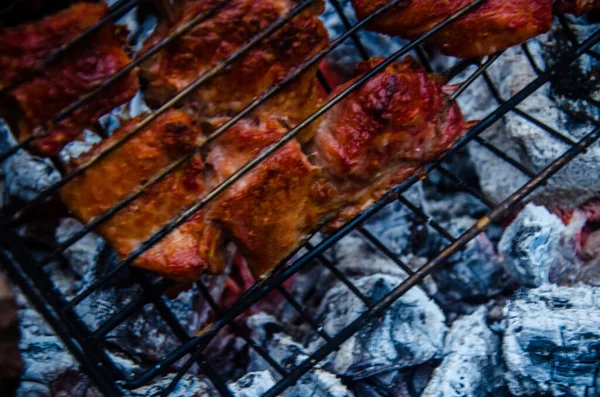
[
  {"x": 578, "y": 80},
  {"x": 317, "y": 383},
  {"x": 538, "y": 248},
  {"x": 25, "y": 175},
  {"x": 73, "y": 150},
  {"x": 470, "y": 274},
  {"x": 470, "y": 367},
  {"x": 44, "y": 356},
  {"x": 346, "y": 56},
  {"x": 399, "y": 228},
  {"x": 187, "y": 386},
  {"x": 83, "y": 253},
  {"x": 253, "y": 384},
  {"x": 283, "y": 349},
  {"x": 551, "y": 342},
  {"x": 356, "y": 257},
  {"x": 135, "y": 107},
  {"x": 522, "y": 140},
  {"x": 410, "y": 333},
  {"x": 531, "y": 245}
]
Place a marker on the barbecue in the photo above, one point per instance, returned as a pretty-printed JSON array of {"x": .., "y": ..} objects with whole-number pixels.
[{"x": 302, "y": 197}]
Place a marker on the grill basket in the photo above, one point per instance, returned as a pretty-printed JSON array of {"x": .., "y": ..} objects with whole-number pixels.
[{"x": 89, "y": 346}]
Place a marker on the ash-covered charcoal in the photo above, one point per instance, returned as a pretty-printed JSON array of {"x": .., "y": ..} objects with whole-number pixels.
[
  {"x": 270, "y": 334},
  {"x": 44, "y": 356},
  {"x": 399, "y": 228},
  {"x": 552, "y": 340},
  {"x": 187, "y": 386},
  {"x": 581, "y": 79},
  {"x": 410, "y": 333},
  {"x": 253, "y": 384},
  {"x": 83, "y": 253},
  {"x": 470, "y": 367},
  {"x": 146, "y": 335},
  {"x": 283, "y": 349},
  {"x": 356, "y": 257},
  {"x": 343, "y": 59},
  {"x": 75, "y": 149},
  {"x": 25, "y": 175},
  {"x": 531, "y": 245},
  {"x": 524, "y": 141},
  {"x": 472, "y": 274},
  {"x": 317, "y": 383}
]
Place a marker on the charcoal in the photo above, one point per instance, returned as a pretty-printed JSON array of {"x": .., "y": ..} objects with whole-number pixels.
[
  {"x": 83, "y": 253},
  {"x": 356, "y": 257},
  {"x": 552, "y": 341},
  {"x": 531, "y": 244},
  {"x": 188, "y": 386},
  {"x": 25, "y": 175},
  {"x": 271, "y": 335},
  {"x": 471, "y": 357},
  {"x": 410, "y": 333},
  {"x": 580, "y": 80},
  {"x": 317, "y": 383},
  {"x": 525, "y": 142},
  {"x": 472, "y": 274},
  {"x": 45, "y": 359},
  {"x": 285, "y": 351},
  {"x": 254, "y": 384},
  {"x": 398, "y": 227}
]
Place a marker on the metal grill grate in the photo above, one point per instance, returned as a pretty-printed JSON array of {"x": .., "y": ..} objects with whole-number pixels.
[{"x": 88, "y": 346}]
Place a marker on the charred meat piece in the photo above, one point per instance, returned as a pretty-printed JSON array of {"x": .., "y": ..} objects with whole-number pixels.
[
  {"x": 262, "y": 67},
  {"x": 272, "y": 209},
  {"x": 577, "y": 7},
  {"x": 381, "y": 133},
  {"x": 68, "y": 78},
  {"x": 493, "y": 26},
  {"x": 187, "y": 251}
]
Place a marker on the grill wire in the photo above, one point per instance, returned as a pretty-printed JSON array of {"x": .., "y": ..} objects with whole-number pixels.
[{"x": 88, "y": 346}]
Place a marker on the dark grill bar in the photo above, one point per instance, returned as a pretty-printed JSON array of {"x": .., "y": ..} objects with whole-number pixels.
[{"x": 31, "y": 276}]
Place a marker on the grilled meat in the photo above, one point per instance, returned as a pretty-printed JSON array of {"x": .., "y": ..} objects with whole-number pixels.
[
  {"x": 368, "y": 143},
  {"x": 577, "y": 7},
  {"x": 68, "y": 78},
  {"x": 273, "y": 208},
  {"x": 260, "y": 68},
  {"x": 381, "y": 133},
  {"x": 191, "y": 248},
  {"x": 493, "y": 26}
]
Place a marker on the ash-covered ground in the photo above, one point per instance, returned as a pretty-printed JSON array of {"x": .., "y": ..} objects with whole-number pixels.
[{"x": 516, "y": 313}]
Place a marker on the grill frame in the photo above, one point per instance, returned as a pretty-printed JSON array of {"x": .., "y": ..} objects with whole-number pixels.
[{"x": 30, "y": 276}]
